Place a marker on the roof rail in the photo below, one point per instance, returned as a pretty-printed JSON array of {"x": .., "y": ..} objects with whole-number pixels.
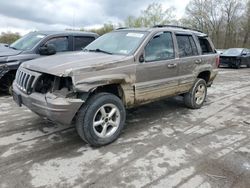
[
  {"x": 119, "y": 28},
  {"x": 176, "y": 26}
]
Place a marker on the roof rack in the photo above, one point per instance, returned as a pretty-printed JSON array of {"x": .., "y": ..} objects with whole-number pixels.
[
  {"x": 119, "y": 28},
  {"x": 176, "y": 26}
]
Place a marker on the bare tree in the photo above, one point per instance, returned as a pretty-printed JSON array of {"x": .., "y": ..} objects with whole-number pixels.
[
  {"x": 246, "y": 26},
  {"x": 232, "y": 9}
]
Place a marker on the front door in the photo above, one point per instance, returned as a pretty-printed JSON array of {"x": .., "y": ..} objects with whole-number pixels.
[{"x": 156, "y": 77}]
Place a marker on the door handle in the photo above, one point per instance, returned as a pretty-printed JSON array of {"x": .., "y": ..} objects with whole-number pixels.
[
  {"x": 173, "y": 65},
  {"x": 198, "y": 61}
]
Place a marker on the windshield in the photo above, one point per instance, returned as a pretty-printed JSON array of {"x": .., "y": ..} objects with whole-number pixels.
[
  {"x": 120, "y": 42},
  {"x": 233, "y": 51},
  {"x": 27, "y": 42}
]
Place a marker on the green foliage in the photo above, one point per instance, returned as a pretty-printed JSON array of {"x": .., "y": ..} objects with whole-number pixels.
[
  {"x": 107, "y": 27},
  {"x": 153, "y": 15},
  {"x": 9, "y": 37}
]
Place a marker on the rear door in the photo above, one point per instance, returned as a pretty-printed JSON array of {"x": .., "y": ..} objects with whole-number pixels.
[
  {"x": 189, "y": 60},
  {"x": 157, "y": 76}
]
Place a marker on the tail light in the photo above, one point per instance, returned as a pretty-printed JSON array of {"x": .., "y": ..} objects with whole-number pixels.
[{"x": 217, "y": 61}]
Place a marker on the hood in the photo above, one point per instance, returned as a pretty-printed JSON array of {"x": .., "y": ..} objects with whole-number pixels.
[
  {"x": 64, "y": 64},
  {"x": 6, "y": 51},
  {"x": 227, "y": 56}
]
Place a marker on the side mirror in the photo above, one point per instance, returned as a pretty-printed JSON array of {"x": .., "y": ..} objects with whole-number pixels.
[
  {"x": 141, "y": 59},
  {"x": 244, "y": 54},
  {"x": 48, "y": 49}
]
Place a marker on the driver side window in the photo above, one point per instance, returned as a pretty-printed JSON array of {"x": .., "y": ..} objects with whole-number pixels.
[
  {"x": 61, "y": 43},
  {"x": 160, "y": 47}
]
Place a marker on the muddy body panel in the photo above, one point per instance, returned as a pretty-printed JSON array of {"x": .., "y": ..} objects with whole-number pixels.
[
  {"x": 50, "y": 106},
  {"x": 64, "y": 82}
]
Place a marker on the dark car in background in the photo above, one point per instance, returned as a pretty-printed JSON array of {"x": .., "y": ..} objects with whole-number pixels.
[
  {"x": 38, "y": 44},
  {"x": 235, "y": 57}
]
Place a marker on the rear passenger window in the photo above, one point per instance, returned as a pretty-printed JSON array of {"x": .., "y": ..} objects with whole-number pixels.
[
  {"x": 186, "y": 46},
  {"x": 160, "y": 47},
  {"x": 205, "y": 46},
  {"x": 82, "y": 42}
]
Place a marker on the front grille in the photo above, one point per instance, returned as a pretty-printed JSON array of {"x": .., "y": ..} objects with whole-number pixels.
[{"x": 25, "y": 80}]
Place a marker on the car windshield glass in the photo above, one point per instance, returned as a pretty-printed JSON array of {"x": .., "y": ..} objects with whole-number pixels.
[
  {"x": 27, "y": 42},
  {"x": 233, "y": 51},
  {"x": 120, "y": 42}
]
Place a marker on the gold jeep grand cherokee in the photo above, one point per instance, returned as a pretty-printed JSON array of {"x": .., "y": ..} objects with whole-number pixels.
[{"x": 119, "y": 70}]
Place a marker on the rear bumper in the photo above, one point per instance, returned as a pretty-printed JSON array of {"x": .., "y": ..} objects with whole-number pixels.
[{"x": 55, "y": 108}]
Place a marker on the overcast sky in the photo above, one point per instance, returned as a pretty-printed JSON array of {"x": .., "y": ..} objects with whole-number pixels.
[{"x": 27, "y": 15}]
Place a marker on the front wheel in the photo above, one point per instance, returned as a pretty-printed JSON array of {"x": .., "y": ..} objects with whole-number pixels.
[
  {"x": 237, "y": 65},
  {"x": 6, "y": 83},
  {"x": 101, "y": 120},
  {"x": 197, "y": 95}
]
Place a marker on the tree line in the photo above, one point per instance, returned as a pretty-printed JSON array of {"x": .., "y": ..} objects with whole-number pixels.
[{"x": 227, "y": 22}]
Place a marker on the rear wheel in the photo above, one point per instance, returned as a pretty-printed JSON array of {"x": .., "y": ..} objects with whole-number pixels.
[
  {"x": 197, "y": 95},
  {"x": 101, "y": 120}
]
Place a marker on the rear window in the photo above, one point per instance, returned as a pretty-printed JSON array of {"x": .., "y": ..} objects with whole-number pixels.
[
  {"x": 186, "y": 45},
  {"x": 81, "y": 42},
  {"x": 205, "y": 46}
]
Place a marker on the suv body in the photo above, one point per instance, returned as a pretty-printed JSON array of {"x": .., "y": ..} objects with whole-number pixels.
[
  {"x": 29, "y": 47},
  {"x": 149, "y": 64}
]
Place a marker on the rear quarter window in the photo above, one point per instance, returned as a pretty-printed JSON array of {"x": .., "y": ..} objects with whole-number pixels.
[{"x": 205, "y": 46}]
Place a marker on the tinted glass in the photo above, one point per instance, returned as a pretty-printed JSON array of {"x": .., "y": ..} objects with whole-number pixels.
[
  {"x": 160, "y": 48},
  {"x": 61, "y": 43},
  {"x": 205, "y": 46},
  {"x": 186, "y": 46},
  {"x": 82, "y": 42},
  {"x": 194, "y": 47}
]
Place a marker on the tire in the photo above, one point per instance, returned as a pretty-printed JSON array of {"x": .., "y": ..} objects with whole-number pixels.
[
  {"x": 107, "y": 129},
  {"x": 237, "y": 65},
  {"x": 191, "y": 99},
  {"x": 6, "y": 83}
]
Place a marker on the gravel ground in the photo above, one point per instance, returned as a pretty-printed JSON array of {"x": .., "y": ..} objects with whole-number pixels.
[{"x": 164, "y": 144}]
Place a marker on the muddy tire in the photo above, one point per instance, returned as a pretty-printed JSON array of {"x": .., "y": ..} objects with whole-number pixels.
[
  {"x": 195, "y": 98},
  {"x": 101, "y": 120}
]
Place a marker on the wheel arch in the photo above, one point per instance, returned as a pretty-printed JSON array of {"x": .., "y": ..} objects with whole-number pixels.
[{"x": 205, "y": 75}]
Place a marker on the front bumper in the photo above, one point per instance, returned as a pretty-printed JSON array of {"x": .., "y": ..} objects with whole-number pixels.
[
  {"x": 50, "y": 106},
  {"x": 229, "y": 61}
]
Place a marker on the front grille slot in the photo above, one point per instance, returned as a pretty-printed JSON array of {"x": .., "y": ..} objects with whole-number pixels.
[{"x": 25, "y": 79}]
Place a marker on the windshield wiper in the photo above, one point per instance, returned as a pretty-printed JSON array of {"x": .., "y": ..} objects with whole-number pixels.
[
  {"x": 99, "y": 50},
  {"x": 12, "y": 47}
]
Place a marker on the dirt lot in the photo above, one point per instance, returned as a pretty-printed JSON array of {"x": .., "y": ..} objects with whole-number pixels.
[{"x": 164, "y": 145}]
